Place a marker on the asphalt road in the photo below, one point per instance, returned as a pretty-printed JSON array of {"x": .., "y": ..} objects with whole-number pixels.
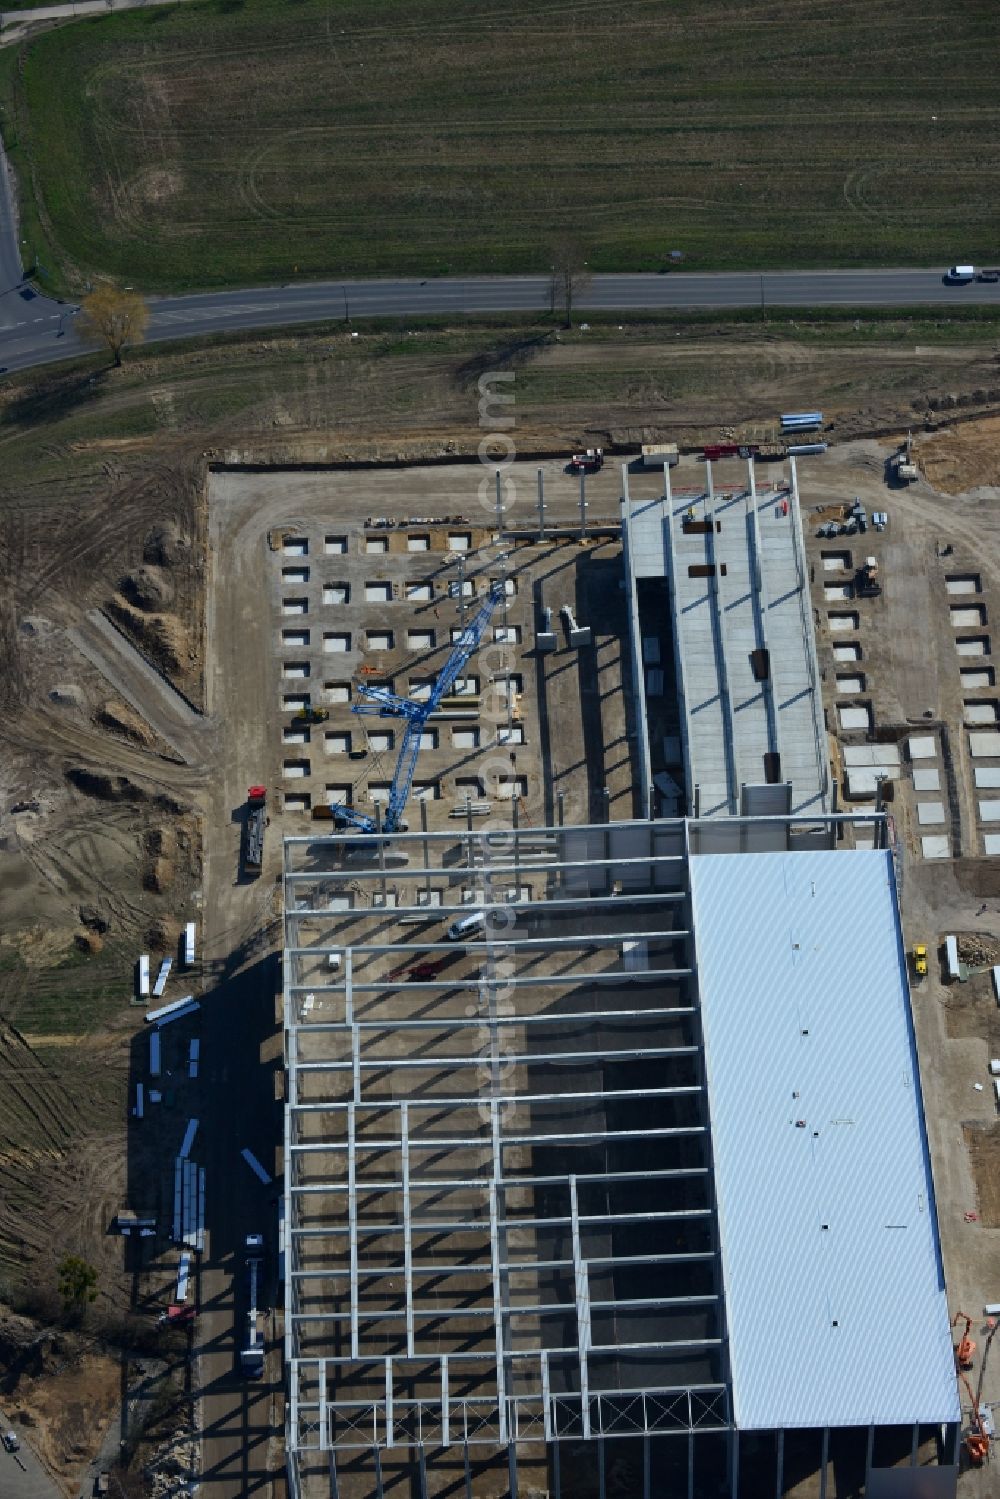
[
  {"x": 22, "y": 1475},
  {"x": 35, "y": 330}
]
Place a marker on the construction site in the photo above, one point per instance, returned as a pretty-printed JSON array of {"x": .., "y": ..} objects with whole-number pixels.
[
  {"x": 560, "y": 842},
  {"x": 511, "y": 1145}
]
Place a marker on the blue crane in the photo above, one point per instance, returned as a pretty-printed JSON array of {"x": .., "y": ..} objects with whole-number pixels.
[{"x": 387, "y": 704}]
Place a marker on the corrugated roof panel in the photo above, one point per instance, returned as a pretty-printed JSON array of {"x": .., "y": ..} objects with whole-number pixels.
[{"x": 833, "y": 1280}]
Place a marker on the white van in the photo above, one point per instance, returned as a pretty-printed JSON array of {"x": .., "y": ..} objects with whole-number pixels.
[
  {"x": 960, "y": 274},
  {"x": 466, "y": 926}
]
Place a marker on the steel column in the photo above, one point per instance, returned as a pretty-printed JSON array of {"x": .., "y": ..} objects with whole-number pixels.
[{"x": 581, "y": 1276}]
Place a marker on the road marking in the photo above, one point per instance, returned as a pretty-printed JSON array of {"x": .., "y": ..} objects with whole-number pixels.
[{"x": 201, "y": 313}]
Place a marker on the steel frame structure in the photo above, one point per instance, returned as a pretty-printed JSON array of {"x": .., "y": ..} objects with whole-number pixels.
[{"x": 500, "y": 1215}]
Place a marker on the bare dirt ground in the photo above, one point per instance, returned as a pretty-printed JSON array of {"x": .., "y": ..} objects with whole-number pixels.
[
  {"x": 961, "y": 459},
  {"x": 100, "y": 851},
  {"x": 67, "y": 1412}
]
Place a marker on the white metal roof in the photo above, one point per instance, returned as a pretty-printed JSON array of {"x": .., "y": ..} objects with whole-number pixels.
[{"x": 831, "y": 1262}]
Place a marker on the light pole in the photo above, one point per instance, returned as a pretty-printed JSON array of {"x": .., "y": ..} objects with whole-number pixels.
[{"x": 347, "y": 310}]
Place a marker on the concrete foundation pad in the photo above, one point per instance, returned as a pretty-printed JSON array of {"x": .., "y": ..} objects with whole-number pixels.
[
  {"x": 871, "y": 755},
  {"x": 926, "y": 780},
  {"x": 991, "y": 843},
  {"x": 922, "y": 747},
  {"x": 936, "y": 846},
  {"x": 962, "y": 619},
  {"x": 989, "y": 811},
  {"x": 985, "y": 746},
  {"x": 987, "y": 777},
  {"x": 929, "y": 813}
]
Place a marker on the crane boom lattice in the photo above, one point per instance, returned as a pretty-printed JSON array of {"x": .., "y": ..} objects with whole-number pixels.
[{"x": 386, "y": 704}]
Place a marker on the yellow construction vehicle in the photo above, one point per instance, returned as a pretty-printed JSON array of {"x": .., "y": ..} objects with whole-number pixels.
[{"x": 920, "y": 960}]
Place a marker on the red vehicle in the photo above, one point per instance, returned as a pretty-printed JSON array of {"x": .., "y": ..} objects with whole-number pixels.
[
  {"x": 256, "y": 822},
  {"x": 177, "y": 1315},
  {"x": 590, "y": 462},
  {"x": 423, "y": 972}
]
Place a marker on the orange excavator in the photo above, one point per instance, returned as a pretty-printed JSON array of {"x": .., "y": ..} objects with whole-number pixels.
[
  {"x": 977, "y": 1438},
  {"x": 966, "y": 1347}
]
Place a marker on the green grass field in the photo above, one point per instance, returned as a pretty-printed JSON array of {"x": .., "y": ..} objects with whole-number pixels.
[
  {"x": 240, "y": 141},
  {"x": 243, "y": 141}
]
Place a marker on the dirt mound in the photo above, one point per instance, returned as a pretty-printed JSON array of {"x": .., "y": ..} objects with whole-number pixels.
[
  {"x": 158, "y": 876},
  {"x": 978, "y": 949},
  {"x": 164, "y": 545},
  {"x": 106, "y": 788},
  {"x": 91, "y": 917},
  {"x": 164, "y": 935},
  {"x": 89, "y": 942},
  {"x": 160, "y": 845},
  {"x": 159, "y": 842},
  {"x": 24, "y": 1349},
  {"x": 161, "y": 637},
  {"x": 120, "y": 788},
  {"x": 119, "y": 718},
  {"x": 148, "y": 589}
]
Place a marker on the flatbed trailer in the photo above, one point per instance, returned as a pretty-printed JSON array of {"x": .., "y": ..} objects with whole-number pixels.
[
  {"x": 252, "y": 1350},
  {"x": 255, "y": 823}
]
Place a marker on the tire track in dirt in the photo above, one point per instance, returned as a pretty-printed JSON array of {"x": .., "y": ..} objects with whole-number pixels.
[{"x": 55, "y": 1173}]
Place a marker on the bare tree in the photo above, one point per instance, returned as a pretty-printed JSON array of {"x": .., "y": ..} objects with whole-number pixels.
[
  {"x": 570, "y": 276},
  {"x": 115, "y": 317}
]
